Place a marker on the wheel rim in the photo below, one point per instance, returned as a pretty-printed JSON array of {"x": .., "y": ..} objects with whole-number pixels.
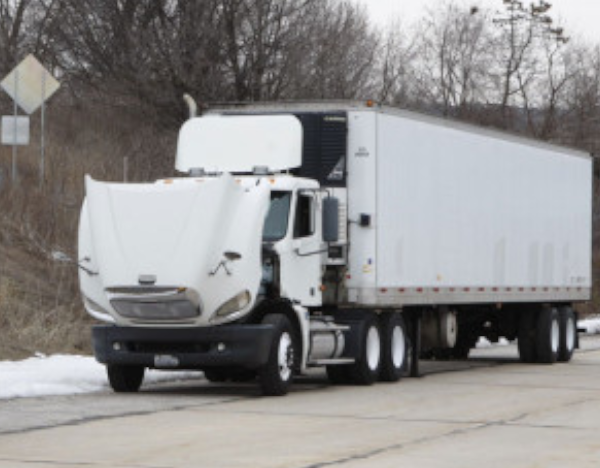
[
  {"x": 373, "y": 348},
  {"x": 555, "y": 336},
  {"x": 398, "y": 347},
  {"x": 285, "y": 356},
  {"x": 570, "y": 331}
]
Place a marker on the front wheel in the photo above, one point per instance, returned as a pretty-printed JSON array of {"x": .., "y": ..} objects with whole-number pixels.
[
  {"x": 125, "y": 379},
  {"x": 276, "y": 376}
]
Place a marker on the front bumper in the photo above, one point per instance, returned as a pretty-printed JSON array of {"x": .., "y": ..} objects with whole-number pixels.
[{"x": 245, "y": 346}]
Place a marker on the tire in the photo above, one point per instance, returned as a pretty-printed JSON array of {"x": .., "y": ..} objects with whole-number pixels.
[
  {"x": 276, "y": 376},
  {"x": 216, "y": 375},
  {"x": 568, "y": 333},
  {"x": 393, "y": 347},
  {"x": 339, "y": 375},
  {"x": 547, "y": 335},
  {"x": 125, "y": 379},
  {"x": 526, "y": 337},
  {"x": 365, "y": 370}
]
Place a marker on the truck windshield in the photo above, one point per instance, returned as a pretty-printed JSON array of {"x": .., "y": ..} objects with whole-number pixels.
[{"x": 277, "y": 218}]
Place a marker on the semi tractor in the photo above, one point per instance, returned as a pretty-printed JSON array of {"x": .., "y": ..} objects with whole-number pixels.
[{"x": 350, "y": 236}]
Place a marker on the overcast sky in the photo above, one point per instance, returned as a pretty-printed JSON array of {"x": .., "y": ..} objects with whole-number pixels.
[{"x": 580, "y": 17}]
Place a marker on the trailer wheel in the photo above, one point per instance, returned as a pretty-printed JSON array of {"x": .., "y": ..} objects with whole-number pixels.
[
  {"x": 568, "y": 333},
  {"x": 394, "y": 347},
  {"x": 125, "y": 379},
  {"x": 548, "y": 335},
  {"x": 365, "y": 370},
  {"x": 276, "y": 375},
  {"x": 526, "y": 337}
]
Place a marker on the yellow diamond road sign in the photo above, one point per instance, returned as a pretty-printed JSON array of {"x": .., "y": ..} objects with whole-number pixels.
[{"x": 30, "y": 84}]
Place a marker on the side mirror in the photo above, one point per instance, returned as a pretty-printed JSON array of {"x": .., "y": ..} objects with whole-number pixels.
[{"x": 331, "y": 219}]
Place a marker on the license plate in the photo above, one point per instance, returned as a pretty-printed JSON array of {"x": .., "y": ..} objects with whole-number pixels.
[{"x": 166, "y": 361}]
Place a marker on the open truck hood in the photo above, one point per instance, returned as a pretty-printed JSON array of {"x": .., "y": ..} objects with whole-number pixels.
[{"x": 199, "y": 237}]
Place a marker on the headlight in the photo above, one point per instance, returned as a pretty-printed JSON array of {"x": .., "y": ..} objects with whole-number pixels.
[
  {"x": 233, "y": 305},
  {"x": 96, "y": 310}
]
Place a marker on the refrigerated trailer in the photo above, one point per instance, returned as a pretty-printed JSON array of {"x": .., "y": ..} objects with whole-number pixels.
[{"x": 350, "y": 236}]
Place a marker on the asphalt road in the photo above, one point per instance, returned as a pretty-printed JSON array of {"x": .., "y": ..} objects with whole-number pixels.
[{"x": 490, "y": 411}]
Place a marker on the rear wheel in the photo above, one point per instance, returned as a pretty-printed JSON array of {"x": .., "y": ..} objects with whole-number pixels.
[
  {"x": 125, "y": 379},
  {"x": 365, "y": 370},
  {"x": 276, "y": 375},
  {"x": 568, "y": 333},
  {"x": 548, "y": 335},
  {"x": 393, "y": 347},
  {"x": 526, "y": 339}
]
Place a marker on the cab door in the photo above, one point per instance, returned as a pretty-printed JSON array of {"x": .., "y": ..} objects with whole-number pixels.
[{"x": 301, "y": 261}]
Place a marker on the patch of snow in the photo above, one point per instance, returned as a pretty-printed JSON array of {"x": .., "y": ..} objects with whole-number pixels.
[
  {"x": 485, "y": 343},
  {"x": 591, "y": 325},
  {"x": 63, "y": 375}
]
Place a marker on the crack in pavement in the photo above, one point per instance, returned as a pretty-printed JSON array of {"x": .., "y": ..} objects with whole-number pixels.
[
  {"x": 106, "y": 417},
  {"x": 90, "y": 419},
  {"x": 78, "y": 463},
  {"x": 428, "y": 439}
]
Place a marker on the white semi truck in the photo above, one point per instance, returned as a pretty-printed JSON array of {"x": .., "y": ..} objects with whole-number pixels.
[{"x": 349, "y": 236}]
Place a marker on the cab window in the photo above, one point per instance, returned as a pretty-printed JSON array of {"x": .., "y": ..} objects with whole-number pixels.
[
  {"x": 277, "y": 218},
  {"x": 304, "y": 224}
]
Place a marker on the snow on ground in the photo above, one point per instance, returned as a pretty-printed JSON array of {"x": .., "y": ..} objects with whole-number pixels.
[
  {"x": 62, "y": 375},
  {"x": 485, "y": 343},
  {"x": 592, "y": 325}
]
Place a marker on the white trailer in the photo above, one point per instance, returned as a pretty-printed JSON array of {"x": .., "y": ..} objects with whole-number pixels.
[{"x": 338, "y": 235}]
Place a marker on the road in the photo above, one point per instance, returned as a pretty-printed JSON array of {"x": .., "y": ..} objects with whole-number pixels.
[{"x": 489, "y": 411}]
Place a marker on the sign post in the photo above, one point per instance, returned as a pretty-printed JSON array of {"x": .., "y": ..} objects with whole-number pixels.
[{"x": 30, "y": 85}]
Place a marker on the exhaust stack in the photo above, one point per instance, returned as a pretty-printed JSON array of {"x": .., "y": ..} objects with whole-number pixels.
[{"x": 191, "y": 104}]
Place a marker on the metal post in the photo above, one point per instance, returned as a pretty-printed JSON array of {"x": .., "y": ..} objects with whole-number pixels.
[
  {"x": 125, "y": 168},
  {"x": 43, "y": 130},
  {"x": 16, "y": 113}
]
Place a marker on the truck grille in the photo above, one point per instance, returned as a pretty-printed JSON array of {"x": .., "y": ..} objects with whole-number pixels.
[
  {"x": 171, "y": 310},
  {"x": 154, "y": 304}
]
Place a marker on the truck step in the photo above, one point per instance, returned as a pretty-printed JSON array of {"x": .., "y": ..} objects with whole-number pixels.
[{"x": 330, "y": 362}]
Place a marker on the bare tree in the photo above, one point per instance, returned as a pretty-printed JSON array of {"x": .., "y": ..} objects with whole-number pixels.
[
  {"x": 543, "y": 87},
  {"x": 521, "y": 28},
  {"x": 398, "y": 56},
  {"x": 336, "y": 58},
  {"x": 454, "y": 52}
]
